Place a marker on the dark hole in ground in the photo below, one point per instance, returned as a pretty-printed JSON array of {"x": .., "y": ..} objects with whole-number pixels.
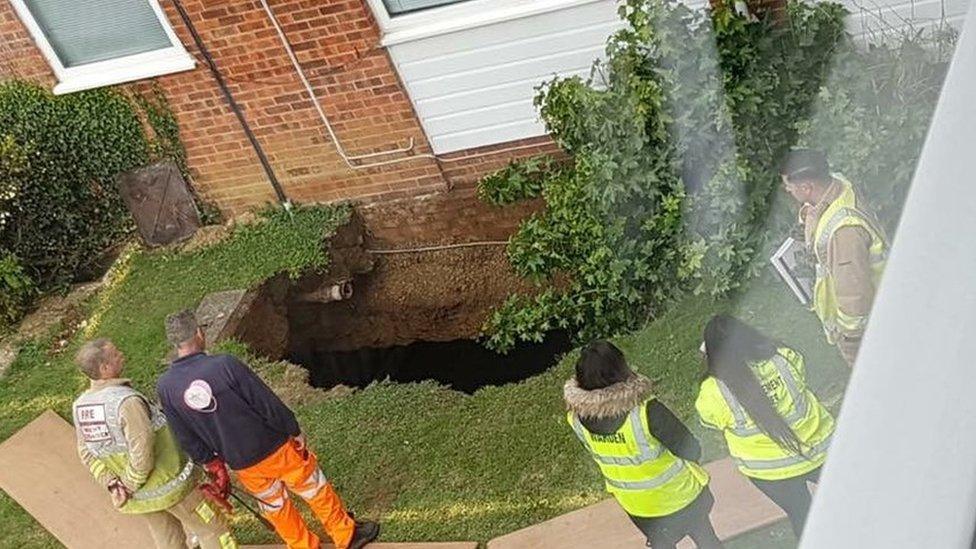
[{"x": 463, "y": 364}]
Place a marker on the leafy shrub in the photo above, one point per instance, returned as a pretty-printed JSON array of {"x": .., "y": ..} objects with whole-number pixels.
[
  {"x": 59, "y": 157},
  {"x": 16, "y": 290},
  {"x": 673, "y": 170},
  {"x": 517, "y": 181},
  {"x": 873, "y": 115}
]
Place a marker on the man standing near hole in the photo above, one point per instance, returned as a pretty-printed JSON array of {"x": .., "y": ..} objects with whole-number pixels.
[
  {"x": 224, "y": 416},
  {"x": 129, "y": 449},
  {"x": 849, "y": 246}
]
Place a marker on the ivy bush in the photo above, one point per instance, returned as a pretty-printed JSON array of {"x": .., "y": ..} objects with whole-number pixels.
[
  {"x": 16, "y": 291},
  {"x": 675, "y": 142},
  {"x": 59, "y": 156}
]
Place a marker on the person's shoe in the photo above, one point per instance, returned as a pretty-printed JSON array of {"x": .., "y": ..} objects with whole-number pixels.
[{"x": 365, "y": 533}]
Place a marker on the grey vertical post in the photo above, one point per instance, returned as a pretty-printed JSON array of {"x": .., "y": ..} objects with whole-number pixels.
[{"x": 902, "y": 469}]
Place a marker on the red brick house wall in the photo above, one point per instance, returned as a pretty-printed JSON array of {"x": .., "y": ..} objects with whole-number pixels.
[{"x": 337, "y": 43}]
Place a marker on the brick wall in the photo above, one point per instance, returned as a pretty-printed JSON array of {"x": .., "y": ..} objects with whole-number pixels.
[
  {"x": 442, "y": 218},
  {"x": 19, "y": 58},
  {"x": 337, "y": 43}
]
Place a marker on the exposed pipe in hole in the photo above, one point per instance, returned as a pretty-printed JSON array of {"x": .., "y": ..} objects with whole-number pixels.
[{"x": 336, "y": 292}]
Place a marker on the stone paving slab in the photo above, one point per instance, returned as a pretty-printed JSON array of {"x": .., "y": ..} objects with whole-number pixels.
[
  {"x": 40, "y": 470},
  {"x": 739, "y": 508}
]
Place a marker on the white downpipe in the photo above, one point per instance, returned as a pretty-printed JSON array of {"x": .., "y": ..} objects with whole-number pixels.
[{"x": 347, "y": 158}]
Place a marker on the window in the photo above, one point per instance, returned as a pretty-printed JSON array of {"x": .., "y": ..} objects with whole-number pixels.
[
  {"x": 397, "y": 7},
  {"x": 94, "y": 43}
]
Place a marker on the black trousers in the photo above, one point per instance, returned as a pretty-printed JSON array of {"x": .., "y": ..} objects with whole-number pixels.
[
  {"x": 692, "y": 521},
  {"x": 792, "y": 495}
]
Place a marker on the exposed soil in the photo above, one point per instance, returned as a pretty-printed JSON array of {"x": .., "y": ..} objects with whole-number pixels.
[
  {"x": 433, "y": 296},
  {"x": 413, "y": 315}
]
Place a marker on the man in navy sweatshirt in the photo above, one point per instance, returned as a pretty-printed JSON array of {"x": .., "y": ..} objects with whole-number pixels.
[{"x": 224, "y": 416}]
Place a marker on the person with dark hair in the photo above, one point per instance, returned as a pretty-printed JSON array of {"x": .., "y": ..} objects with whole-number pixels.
[
  {"x": 848, "y": 243},
  {"x": 776, "y": 429},
  {"x": 647, "y": 456}
]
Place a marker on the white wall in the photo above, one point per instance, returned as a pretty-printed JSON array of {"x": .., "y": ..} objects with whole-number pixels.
[
  {"x": 471, "y": 68},
  {"x": 475, "y": 87}
]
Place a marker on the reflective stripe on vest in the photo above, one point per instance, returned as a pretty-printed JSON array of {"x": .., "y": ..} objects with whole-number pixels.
[
  {"x": 110, "y": 400},
  {"x": 843, "y": 211},
  {"x": 677, "y": 467},
  {"x": 166, "y": 488},
  {"x": 97, "y": 417},
  {"x": 646, "y": 479},
  {"x": 835, "y": 222},
  {"x": 799, "y": 409},
  {"x": 647, "y": 453},
  {"x": 779, "y": 463}
]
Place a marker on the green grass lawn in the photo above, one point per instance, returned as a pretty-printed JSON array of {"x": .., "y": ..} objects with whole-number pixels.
[{"x": 432, "y": 464}]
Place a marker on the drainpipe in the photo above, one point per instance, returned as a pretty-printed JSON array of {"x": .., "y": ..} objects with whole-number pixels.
[
  {"x": 234, "y": 107},
  {"x": 335, "y": 292}
]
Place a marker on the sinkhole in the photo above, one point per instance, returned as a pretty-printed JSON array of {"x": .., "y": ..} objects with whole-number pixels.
[
  {"x": 408, "y": 318},
  {"x": 461, "y": 364}
]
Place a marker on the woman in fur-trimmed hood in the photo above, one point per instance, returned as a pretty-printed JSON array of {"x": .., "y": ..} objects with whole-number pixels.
[{"x": 647, "y": 456}]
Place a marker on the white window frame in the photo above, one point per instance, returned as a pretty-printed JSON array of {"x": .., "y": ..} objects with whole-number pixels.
[
  {"x": 900, "y": 471},
  {"x": 464, "y": 15},
  {"x": 111, "y": 71}
]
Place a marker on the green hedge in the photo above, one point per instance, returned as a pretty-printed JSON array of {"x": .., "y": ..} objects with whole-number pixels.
[{"x": 59, "y": 156}]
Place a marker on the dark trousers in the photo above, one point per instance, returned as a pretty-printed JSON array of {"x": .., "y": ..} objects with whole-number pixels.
[
  {"x": 692, "y": 521},
  {"x": 792, "y": 495}
]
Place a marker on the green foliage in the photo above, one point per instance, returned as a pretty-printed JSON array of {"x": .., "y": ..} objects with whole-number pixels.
[
  {"x": 165, "y": 143},
  {"x": 16, "y": 290},
  {"x": 873, "y": 115},
  {"x": 673, "y": 169},
  {"x": 517, "y": 181},
  {"x": 59, "y": 156}
]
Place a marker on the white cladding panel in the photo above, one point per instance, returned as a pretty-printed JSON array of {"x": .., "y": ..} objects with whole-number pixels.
[{"x": 475, "y": 87}]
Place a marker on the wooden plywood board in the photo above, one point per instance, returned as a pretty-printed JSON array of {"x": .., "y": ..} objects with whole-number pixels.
[
  {"x": 40, "y": 470},
  {"x": 739, "y": 508}
]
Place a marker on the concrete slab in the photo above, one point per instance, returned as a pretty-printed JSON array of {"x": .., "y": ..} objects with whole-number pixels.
[
  {"x": 432, "y": 545},
  {"x": 40, "y": 470},
  {"x": 739, "y": 508}
]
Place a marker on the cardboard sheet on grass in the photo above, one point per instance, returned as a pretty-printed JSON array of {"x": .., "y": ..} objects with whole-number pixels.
[
  {"x": 739, "y": 508},
  {"x": 39, "y": 468}
]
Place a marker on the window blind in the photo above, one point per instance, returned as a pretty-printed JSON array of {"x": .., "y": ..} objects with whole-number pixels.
[{"x": 86, "y": 31}]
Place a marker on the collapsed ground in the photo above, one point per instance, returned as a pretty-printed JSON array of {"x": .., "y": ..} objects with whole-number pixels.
[{"x": 431, "y": 463}]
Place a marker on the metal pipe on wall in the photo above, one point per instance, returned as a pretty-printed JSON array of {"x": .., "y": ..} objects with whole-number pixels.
[{"x": 229, "y": 97}]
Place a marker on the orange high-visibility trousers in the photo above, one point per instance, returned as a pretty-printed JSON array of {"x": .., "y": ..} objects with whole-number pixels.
[{"x": 298, "y": 472}]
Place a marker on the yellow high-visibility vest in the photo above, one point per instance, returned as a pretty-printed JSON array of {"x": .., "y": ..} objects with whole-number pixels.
[
  {"x": 97, "y": 422},
  {"x": 755, "y": 453},
  {"x": 643, "y": 475},
  {"x": 842, "y": 212}
]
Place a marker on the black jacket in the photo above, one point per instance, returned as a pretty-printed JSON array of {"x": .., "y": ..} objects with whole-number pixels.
[{"x": 217, "y": 407}]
